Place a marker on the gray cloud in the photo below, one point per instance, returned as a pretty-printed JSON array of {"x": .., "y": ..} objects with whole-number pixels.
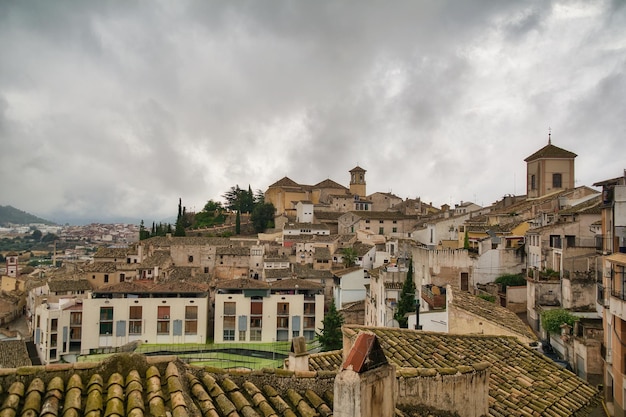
[{"x": 111, "y": 110}]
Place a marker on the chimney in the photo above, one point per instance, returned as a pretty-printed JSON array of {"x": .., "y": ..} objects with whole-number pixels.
[
  {"x": 366, "y": 384},
  {"x": 298, "y": 356}
]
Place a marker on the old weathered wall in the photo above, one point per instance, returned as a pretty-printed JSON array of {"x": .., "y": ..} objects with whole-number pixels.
[{"x": 464, "y": 393}]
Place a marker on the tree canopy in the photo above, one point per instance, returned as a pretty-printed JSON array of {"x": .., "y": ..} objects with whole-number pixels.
[
  {"x": 330, "y": 336},
  {"x": 349, "y": 257},
  {"x": 406, "y": 304},
  {"x": 262, "y": 216},
  {"x": 552, "y": 320}
]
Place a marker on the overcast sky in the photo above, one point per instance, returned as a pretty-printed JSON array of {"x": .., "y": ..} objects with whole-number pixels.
[{"x": 113, "y": 110}]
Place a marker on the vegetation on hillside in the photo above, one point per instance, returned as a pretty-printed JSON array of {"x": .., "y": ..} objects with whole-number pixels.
[{"x": 11, "y": 215}]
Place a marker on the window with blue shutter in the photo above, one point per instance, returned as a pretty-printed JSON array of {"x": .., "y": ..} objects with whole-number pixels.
[
  {"x": 120, "y": 328},
  {"x": 178, "y": 327}
]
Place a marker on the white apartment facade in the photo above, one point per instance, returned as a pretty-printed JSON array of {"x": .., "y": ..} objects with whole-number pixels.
[
  {"x": 175, "y": 313},
  {"x": 257, "y": 311}
]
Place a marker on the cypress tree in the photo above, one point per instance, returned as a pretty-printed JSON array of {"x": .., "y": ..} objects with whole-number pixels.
[
  {"x": 330, "y": 336},
  {"x": 406, "y": 304}
]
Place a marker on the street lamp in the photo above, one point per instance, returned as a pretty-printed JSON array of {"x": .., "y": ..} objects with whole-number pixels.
[{"x": 417, "y": 313}]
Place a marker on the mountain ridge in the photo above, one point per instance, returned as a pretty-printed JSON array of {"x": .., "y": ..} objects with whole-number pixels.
[{"x": 11, "y": 215}]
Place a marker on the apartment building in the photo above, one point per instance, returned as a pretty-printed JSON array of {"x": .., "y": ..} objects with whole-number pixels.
[
  {"x": 257, "y": 311},
  {"x": 171, "y": 312}
]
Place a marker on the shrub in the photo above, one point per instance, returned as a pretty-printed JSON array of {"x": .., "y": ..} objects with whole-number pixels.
[
  {"x": 511, "y": 280},
  {"x": 552, "y": 320}
]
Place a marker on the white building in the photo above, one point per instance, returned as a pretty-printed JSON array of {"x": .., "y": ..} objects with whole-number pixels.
[
  {"x": 173, "y": 312},
  {"x": 58, "y": 329},
  {"x": 256, "y": 311}
]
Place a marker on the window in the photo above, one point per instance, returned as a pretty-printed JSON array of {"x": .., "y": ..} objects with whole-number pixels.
[
  {"x": 76, "y": 318},
  {"x": 229, "y": 327},
  {"x": 309, "y": 322},
  {"x": 122, "y": 277},
  {"x": 190, "y": 258},
  {"x": 54, "y": 324},
  {"x": 367, "y": 221},
  {"x": 381, "y": 230},
  {"x": 394, "y": 230},
  {"x": 106, "y": 320},
  {"x": 191, "y": 320},
  {"x": 381, "y": 221},
  {"x": 135, "y": 314},
  {"x": 282, "y": 322},
  {"x": 556, "y": 181},
  {"x": 309, "y": 309},
  {"x": 533, "y": 184},
  {"x": 75, "y": 333},
  {"x": 230, "y": 308},
  {"x": 282, "y": 309},
  {"x": 242, "y": 335},
  {"x": 163, "y": 320},
  {"x": 106, "y": 278}
]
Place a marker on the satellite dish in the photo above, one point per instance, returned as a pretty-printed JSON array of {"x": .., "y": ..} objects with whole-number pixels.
[{"x": 393, "y": 323}]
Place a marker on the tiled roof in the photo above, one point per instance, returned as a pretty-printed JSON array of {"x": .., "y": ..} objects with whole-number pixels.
[
  {"x": 241, "y": 283},
  {"x": 328, "y": 183},
  {"x": 119, "y": 253},
  {"x": 321, "y": 254},
  {"x": 361, "y": 248},
  {"x": 101, "y": 267},
  {"x": 345, "y": 271},
  {"x": 285, "y": 182},
  {"x": 551, "y": 151},
  {"x": 234, "y": 251},
  {"x": 13, "y": 354},
  {"x": 306, "y": 271},
  {"x": 490, "y": 311},
  {"x": 148, "y": 287},
  {"x": 158, "y": 258},
  {"x": 273, "y": 273},
  {"x": 326, "y": 215},
  {"x": 382, "y": 215},
  {"x": 63, "y": 285},
  {"x": 326, "y": 361},
  {"x": 133, "y": 385},
  {"x": 522, "y": 381},
  {"x": 292, "y": 283}
]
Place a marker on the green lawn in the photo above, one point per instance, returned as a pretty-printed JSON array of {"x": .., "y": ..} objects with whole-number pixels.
[{"x": 221, "y": 355}]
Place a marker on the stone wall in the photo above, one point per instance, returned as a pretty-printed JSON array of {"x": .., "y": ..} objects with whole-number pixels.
[{"x": 462, "y": 390}]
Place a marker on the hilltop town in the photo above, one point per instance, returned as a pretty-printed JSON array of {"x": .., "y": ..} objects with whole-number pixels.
[{"x": 486, "y": 280}]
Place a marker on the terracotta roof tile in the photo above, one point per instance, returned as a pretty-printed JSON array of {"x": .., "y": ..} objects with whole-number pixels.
[
  {"x": 551, "y": 151},
  {"x": 520, "y": 378}
]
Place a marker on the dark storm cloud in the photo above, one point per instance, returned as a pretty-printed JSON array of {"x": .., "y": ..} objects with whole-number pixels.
[{"x": 118, "y": 109}]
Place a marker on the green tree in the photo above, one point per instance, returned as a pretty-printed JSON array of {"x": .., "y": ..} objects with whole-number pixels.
[
  {"x": 466, "y": 244},
  {"x": 37, "y": 235},
  {"x": 551, "y": 320},
  {"x": 180, "y": 220},
  {"x": 49, "y": 237},
  {"x": 330, "y": 336},
  {"x": 143, "y": 233},
  {"x": 262, "y": 216},
  {"x": 349, "y": 257},
  {"x": 511, "y": 280},
  {"x": 238, "y": 223},
  {"x": 406, "y": 304}
]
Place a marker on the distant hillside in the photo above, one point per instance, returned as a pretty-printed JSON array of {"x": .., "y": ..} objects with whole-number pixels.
[{"x": 12, "y": 215}]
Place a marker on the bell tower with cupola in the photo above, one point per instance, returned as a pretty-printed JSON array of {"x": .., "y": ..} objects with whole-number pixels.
[
  {"x": 549, "y": 170},
  {"x": 357, "y": 182}
]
